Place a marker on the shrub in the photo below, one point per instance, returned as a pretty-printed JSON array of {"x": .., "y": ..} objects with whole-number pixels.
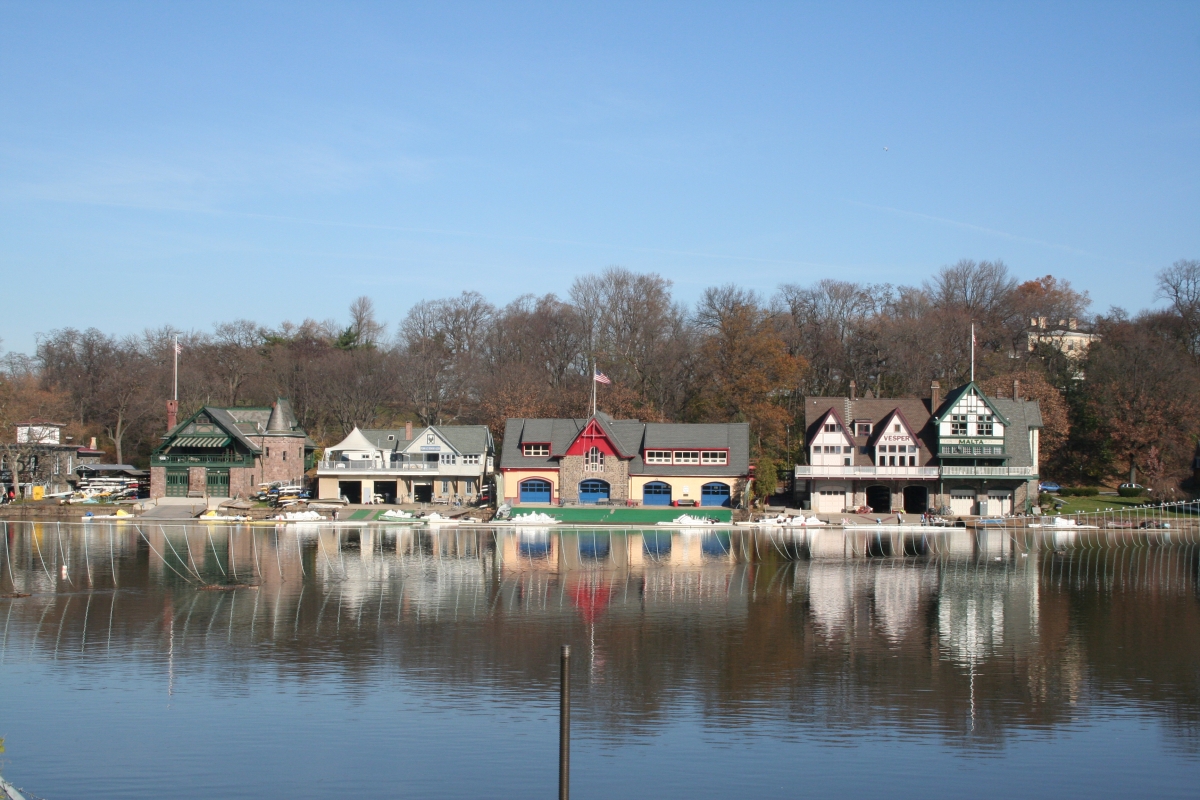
[
  {"x": 1079, "y": 491},
  {"x": 1131, "y": 491}
]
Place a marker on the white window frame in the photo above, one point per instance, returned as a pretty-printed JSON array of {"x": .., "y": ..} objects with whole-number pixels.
[
  {"x": 449, "y": 459},
  {"x": 535, "y": 450},
  {"x": 593, "y": 460},
  {"x": 471, "y": 460},
  {"x": 657, "y": 457},
  {"x": 687, "y": 457},
  {"x": 714, "y": 457}
]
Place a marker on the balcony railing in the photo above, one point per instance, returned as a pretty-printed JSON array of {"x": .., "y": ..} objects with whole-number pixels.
[
  {"x": 988, "y": 472},
  {"x": 928, "y": 473},
  {"x": 835, "y": 471},
  {"x": 373, "y": 466},
  {"x": 201, "y": 460}
]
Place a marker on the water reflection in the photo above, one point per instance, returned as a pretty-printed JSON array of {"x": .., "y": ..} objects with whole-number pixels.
[{"x": 973, "y": 638}]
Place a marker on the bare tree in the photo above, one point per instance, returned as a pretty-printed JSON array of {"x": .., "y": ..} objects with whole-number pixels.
[{"x": 1179, "y": 284}]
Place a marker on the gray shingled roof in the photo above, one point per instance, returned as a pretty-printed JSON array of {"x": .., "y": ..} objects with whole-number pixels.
[
  {"x": 875, "y": 410},
  {"x": 1022, "y": 415},
  {"x": 469, "y": 439},
  {"x": 631, "y": 437},
  {"x": 242, "y": 422}
]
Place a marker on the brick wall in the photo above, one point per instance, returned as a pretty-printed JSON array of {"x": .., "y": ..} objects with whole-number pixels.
[
  {"x": 571, "y": 473},
  {"x": 286, "y": 459},
  {"x": 158, "y": 482}
]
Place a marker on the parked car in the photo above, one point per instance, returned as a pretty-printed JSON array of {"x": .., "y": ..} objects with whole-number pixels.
[{"x": 1048, "y": 486}]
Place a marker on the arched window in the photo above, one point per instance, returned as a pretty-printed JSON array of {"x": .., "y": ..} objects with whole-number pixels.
[{"x": 595, "y": 460}]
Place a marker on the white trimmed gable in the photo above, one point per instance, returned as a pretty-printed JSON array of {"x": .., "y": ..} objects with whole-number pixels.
[
  {"x": 831, "y": 444},
  {"x": 970, "y": 417},
  {"x": 895, "y": 443},
  {"x": 427, "y": 442}
]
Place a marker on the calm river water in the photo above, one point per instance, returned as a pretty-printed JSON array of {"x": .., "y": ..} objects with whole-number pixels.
[{"x": 387, "y": 662}]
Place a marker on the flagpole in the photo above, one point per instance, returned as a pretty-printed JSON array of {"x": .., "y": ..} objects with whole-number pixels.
[
  {"x": 972, "y": 352},
  {"x": 593, "y": 387},
  {"x": 177, "y": 367}
]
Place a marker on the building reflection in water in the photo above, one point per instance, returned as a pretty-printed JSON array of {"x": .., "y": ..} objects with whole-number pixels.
[{"x": 971, "y": 635}]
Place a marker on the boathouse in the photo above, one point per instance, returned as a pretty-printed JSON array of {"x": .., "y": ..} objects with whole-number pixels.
[
  {"x": 439, "y": 464},
  {"x": 226, "y": 452},
  {"x": 600, "y": 460},
  {"x": 965, "y": 455}
]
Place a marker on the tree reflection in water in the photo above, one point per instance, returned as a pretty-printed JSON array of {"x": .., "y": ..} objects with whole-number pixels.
[{"x": 966, "y": 644}]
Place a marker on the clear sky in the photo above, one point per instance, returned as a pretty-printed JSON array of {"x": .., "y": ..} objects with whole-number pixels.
[{"x": 189, "y": 163}]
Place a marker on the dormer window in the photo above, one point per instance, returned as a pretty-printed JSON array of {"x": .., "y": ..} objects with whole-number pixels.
[
  {"x": 540, "y": 450},
  {"x": 863, "y": 428},
  {"x": 391, "y": 437}
]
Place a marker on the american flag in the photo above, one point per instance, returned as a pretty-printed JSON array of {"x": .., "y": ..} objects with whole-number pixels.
[
  {"x": 602, "y": 378},
  {"x": 178, "y": 348}
]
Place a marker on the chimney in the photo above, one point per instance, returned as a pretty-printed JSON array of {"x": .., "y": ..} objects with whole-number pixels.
[
  {"x": 853, "y": 390},
  {"x": 408, "y": 431},
  {"x": 935, "y": 396},
  {"x": 1073, "y": 324},
  {"x": 1016, "y": 389},
  {"x": 92, "y": 446},
  {"x": 172, "y": 416}
]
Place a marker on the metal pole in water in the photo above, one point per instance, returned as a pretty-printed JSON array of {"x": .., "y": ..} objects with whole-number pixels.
[{"x": 564, "y": 726}]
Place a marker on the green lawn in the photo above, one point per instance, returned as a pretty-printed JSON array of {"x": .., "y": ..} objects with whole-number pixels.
[{"x": 1088, "y": 505}]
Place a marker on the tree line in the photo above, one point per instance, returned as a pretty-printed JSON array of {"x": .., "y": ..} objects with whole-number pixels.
[{"x": 736, "y": 355}]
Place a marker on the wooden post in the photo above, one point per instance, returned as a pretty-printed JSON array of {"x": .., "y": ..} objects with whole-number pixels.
[{"x": 564, "y": 726}]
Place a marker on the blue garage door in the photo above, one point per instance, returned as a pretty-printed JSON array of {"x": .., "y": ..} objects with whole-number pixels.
[
  {"x": 714, "y": 494},
  {"x": 656, "y": 493},
  {"x": 593, "y": 491},
  {"x": 535, "y": 490}
]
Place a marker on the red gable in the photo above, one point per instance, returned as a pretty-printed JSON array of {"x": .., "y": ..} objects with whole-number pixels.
[{"x": 592, "y": 436}]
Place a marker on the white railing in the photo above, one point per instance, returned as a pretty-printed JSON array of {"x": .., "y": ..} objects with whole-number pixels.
[
  {"x": 373, "y": 466},
  {"x": 989, "y": 472},
  {"x": 835, "y": 471}
]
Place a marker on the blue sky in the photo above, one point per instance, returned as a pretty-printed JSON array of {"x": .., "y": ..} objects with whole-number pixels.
[{"x": 195, "y": 163}]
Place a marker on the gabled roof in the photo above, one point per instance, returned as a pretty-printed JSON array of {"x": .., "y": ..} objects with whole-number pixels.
[
  {"x": 833, "y": 412},
  {"x": 242, "y": 422},
  {"x": 914, "y": 409},
  {"x": 607, "y": 428},
  {"x": 468, "y": 439},
  {"x": 956, "y": 394},
  {"x": 878, "y": 430}
]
